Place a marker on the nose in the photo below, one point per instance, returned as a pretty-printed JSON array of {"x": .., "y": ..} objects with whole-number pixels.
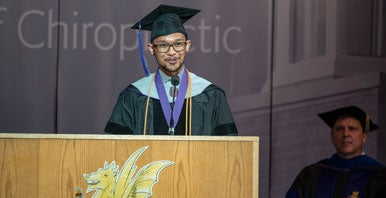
[{"x": 346, "y": 132}]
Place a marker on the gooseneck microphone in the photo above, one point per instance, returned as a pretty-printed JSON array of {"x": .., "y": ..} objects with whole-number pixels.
[{"x": 175, "y": 80}]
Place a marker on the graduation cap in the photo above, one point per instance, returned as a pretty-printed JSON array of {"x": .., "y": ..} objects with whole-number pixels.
[
  {"x": 330, "y": 117},
  {"x": 163, "y": 20}
]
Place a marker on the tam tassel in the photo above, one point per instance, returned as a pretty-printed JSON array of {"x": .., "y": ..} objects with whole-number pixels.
[
  {"x": 367, "y": 127},
  {"x": 141, "y": 54}
]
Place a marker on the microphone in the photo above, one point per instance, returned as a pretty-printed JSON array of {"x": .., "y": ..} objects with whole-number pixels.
[{"x": 175, "y": 80}]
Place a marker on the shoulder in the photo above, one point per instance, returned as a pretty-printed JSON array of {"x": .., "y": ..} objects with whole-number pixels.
[
  {"x": 306, "y": 177},
  {"x": 131, "y": 95},
  {"x": 203, "y": 85},
  {"x": 312, "y": 168},
  {"x": 142, "y": 85},
  {"x": 129, "y": 90},
  {"x": 371, "y": 161},
  {"x": 214, "y": 88},
  {"x": 311, "y": 171},
  {"x": 362, "y": 162},
  {"x": 199, "y": 84},
  {"x": 139, "y": 87},
  {"x": 213, "y": 92}
]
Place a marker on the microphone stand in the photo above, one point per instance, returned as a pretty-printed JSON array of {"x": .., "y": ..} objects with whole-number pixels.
[{"x": 175, "y": 80}]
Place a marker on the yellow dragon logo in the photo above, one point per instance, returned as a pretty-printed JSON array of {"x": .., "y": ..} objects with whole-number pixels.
[{"x": 112, "y": 183}]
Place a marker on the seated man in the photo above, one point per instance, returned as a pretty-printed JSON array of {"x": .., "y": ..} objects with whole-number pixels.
[{"x": 349, "y": 172}]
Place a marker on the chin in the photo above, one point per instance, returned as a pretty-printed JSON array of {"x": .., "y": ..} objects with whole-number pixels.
[{"x": 173, "y": 69}]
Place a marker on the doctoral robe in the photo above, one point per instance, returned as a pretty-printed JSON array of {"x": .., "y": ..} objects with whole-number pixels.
[{"x": 358, "y": 177}]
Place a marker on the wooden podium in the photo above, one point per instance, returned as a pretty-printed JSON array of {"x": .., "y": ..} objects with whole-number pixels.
[{"x": 53, "y": 165}]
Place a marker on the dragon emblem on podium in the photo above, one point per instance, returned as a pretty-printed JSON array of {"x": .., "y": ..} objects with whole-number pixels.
[{"x": 111, "y": 182}]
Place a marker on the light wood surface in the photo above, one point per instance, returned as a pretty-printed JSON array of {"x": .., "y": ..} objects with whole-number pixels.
[{"x": 52, "y": 165}]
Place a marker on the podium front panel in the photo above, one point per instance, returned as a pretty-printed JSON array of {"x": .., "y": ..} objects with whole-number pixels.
[{"x": 55, "y": 165}]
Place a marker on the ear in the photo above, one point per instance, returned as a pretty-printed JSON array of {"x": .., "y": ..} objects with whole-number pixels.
[
  {"x": 188, "y": 43},
  {"x": 150, "y": 47},
  {"x": 365, "y": 137}
]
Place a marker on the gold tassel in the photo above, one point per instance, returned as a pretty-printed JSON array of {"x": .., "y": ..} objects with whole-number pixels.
[
  {"x": 355, "y": 194},
  {"x": 367, "y": 127},
  {"x": 147, "y": 105},
  {"x": 188, "y": 108}
]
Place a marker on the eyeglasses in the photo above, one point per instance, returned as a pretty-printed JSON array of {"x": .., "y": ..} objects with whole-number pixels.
[{"x": 164, "y": 47}]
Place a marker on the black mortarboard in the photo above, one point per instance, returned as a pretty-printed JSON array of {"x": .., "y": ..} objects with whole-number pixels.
[
  {"x": 166, "y": 20},
  {"x": 330, "y": 117}
]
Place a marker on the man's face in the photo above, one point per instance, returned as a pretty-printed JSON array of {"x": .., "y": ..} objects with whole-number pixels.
[
  {"x": 348, "y": 137},
  {"x": 171, "y": 60}
]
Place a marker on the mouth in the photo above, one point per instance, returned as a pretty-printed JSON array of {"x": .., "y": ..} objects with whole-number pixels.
[
  {"x": 172, "y": 60},
  {"x": 93, "y": 182}
]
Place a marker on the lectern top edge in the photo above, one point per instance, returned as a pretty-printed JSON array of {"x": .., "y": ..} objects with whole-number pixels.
[{"x": 126, "y": 137}]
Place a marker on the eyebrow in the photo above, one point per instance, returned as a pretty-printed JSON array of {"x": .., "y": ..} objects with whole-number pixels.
[
  {"x": 339, "y": 127},
  {"x": 164, "y": 40}
]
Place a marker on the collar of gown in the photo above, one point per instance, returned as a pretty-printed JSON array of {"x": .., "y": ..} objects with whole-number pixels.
[{"x": 143, "y": 84}]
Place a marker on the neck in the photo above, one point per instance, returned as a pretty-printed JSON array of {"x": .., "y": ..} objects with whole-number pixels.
[
  {"x": 171, "y": 73},
  {"x": 343, "y": 156}
]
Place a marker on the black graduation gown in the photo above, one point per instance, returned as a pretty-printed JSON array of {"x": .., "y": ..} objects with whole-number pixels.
[
  {"x": 211, "y": 114},
  {"x": 359, "y": 177}
]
